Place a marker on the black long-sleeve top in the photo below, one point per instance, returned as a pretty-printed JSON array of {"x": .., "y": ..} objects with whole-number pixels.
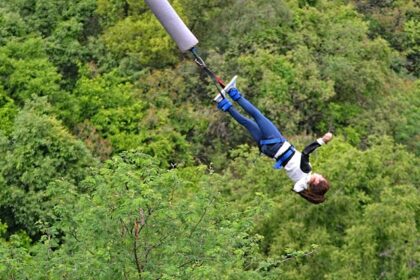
[
  {"x": 298, "y": 168},
  {"x": 304, "y": 162}
]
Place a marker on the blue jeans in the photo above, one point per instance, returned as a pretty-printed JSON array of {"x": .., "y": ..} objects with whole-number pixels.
[{"x": 260, "y": 129}]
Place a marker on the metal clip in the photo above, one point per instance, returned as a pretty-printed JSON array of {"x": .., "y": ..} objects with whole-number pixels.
[{"x": 200, "y": 62}]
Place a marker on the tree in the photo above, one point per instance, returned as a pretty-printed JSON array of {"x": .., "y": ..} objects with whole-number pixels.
[
  {"x": 27, "y": 71},
  {"x": 392, "y": 20},
  {"x": 142, "y": 41},
  {"x": 11, "y": 26},
  {"x": 412, "y": 43},
  {"x": 8, "y": 111},
  {"x": 38, "y": 151},
  {"x": 143, "y": 222}
]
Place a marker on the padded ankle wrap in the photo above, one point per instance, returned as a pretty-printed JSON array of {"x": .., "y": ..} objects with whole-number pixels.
[
  {"x": 224, "y": 105},
  {"x": 234, "y": 94}
]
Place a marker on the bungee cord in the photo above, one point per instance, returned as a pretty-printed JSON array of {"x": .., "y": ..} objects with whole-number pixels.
[{"x": 218, "y": 82}]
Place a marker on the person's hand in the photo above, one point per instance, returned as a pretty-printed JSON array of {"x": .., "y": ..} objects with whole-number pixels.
[{"x": 327, "y": 137}]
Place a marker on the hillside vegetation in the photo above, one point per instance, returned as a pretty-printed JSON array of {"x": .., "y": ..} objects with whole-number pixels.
[{"x": 116, "y": 164}]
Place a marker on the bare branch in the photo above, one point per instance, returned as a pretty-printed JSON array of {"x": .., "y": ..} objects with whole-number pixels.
[
  {"x": 136, "y": 257},
  {"x": 291, "y": 257},
  {"x": 201, "y": 218}
]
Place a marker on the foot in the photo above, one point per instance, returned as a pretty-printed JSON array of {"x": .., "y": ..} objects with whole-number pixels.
[
  {"x": 230, "y": 85},
  {"x": 218, "y": 98}
]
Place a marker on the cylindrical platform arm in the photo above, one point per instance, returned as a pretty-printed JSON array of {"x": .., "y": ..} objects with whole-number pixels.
[{"x": 173, "y": 24}]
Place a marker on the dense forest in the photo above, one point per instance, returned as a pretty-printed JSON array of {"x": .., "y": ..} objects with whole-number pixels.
[{"x": 116, "y": 164}]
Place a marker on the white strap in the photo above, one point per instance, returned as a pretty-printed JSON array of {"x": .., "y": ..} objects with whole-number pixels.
[{"x": 286, "y": 145}]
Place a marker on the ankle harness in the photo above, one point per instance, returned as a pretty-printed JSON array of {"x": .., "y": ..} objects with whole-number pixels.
[{"x": 224, "y": 105}]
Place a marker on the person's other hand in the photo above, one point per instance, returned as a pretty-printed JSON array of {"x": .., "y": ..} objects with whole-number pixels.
[{"x": 327, "y": 137}]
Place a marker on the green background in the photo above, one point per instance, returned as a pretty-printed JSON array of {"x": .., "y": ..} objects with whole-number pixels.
[{"x": 115, "y": 163}]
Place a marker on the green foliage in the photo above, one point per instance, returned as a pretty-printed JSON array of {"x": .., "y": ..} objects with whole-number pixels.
[
  {"x": 180, "y": 193},
  {"x": 106, "y": 102},
  {"x": 407, "y": 129},
  {"x": 8, "y": 111},
  {"x": 144, "y": 222},
  {"x": 128, "y": 38},
  {"x": 137, "y": 38},
  {"x": 285, "y": 79},
  {"x": 27, "y": 71},
  {"x": 393, "y": 21},
  {"x": 412, "y": 44},
  {"x": 14, "y": 253},
  {"x": 38, "y": 151},
  {"x": 65, "y": 48},
  {"x": 11, "y": 25}
]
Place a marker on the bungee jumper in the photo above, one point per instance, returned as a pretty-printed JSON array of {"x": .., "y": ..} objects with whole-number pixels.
[{"x": 311, "y": 186}]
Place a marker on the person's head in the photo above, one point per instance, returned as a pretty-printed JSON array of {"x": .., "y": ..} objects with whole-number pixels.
[{"x": 317, "y": 187}]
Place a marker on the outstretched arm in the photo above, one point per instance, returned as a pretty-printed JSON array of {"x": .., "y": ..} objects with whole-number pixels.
[
  {"x": 304, "y": 163},
  {"x": 318, "y": 143}
]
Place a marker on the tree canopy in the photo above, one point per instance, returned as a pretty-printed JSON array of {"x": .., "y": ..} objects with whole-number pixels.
[{"x": 115, "y": 164}]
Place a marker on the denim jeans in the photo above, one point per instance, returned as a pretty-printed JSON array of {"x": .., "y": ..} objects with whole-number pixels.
[{"x": 260, "y": 129}]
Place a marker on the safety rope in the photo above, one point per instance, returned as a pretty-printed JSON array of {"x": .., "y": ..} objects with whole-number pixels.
[{"x": 218, "y": 82}]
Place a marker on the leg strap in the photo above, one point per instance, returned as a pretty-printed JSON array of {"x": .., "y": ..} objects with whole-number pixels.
[
  {"x": 224, "y": 105},
  {"x": 284, "y": 157}
]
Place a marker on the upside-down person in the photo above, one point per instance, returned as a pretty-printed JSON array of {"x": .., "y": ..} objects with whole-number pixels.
[{"x": 271, "y": 142}]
